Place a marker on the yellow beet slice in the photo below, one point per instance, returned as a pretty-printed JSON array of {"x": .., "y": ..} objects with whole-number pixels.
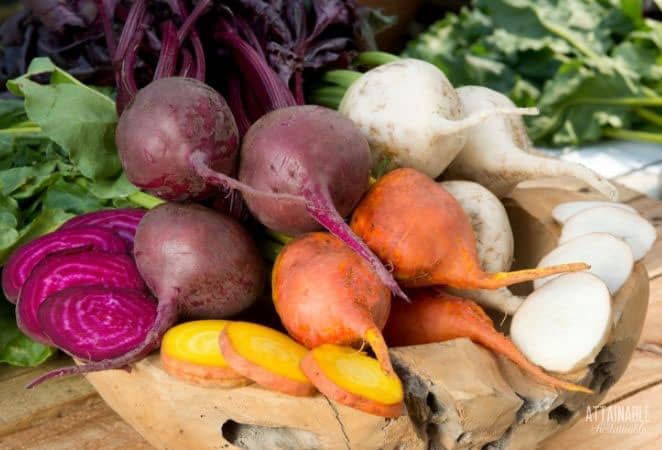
[
  {"x": 352, "y": 378},
  {"x": 268, "y": 357},
  {"x": 190, "y": 352}
]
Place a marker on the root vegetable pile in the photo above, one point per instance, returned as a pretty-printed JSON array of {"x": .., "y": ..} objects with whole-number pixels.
[{"x": 355, "y": 263}]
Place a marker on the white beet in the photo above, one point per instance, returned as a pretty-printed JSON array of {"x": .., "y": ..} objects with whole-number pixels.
[
  {"x": 563, "y": 211},
  {"x": 489, "y": 220},
  {"x": 498, "y": 152},
  {"x": 412, "y": 116},
  {"x": 610, "y": 258},
  {"x": 636, "y": 231},
  {"x": 563, "y": 325},
  {"x": 494, "y": 242}
]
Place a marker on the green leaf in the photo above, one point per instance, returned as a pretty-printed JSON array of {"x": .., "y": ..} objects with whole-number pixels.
[
  {"x": 46, "y": 221},
  {"x": 572, "y": 105},
  {"x": 633, "y": 9},
  {"x": 117, "y": 188},
  {"x": 16, "y": 348},
  {"x": 71, "y": 198},
  {"x": 79, "y": 119}
]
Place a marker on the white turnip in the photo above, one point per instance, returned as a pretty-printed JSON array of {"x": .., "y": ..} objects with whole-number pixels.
[{"x": 498, "y": 153}]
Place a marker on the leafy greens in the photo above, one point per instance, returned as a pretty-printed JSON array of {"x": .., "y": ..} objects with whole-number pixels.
[
  {"x": 57, "y": 160},
  {"x": 594, "y": 67}
]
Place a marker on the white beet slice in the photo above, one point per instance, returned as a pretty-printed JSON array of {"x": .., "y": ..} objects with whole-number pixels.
[
  {"x": 610, "y": 258},
  {"x": 563, "y": 211},
  {"x": 636, "y": 231},
  {"x": 563, "y": 325}
]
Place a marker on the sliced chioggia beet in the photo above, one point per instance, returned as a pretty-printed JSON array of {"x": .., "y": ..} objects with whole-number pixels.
[
  {"x": 636, "y": 231},
  {"x": 96, "y": 323},
  {"x": 268, "y": 357},
  {"x": 123, "y": 221},
  {"x": 412, "y": 116},
  {"x": 190, "y": 351},
  {"x": 198, "y": 263},
  {"x": 498, "y": 152},
  {"x": 563, "y": 325},
  {"x": 20, "y": 264},
  {"x": 65, "y": 270},
  {"x": 610, "y": 258},
  {"x": 563, "y": 211},
  {"x": 354, "y": 379}
]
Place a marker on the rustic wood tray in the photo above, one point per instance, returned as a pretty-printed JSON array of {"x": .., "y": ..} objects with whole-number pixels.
[{"x": 459, "y": 395}]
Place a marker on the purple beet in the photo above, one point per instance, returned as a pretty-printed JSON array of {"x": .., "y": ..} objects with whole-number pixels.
[
  {"x": 168, "y": 120},
  {"x": 123, "y": 221},
  {"x": 20, "y": 264},
  {"x": 95, "y": 323},
  {"x": 64, "y": 270},
  {"x": 198, "y": 263}
]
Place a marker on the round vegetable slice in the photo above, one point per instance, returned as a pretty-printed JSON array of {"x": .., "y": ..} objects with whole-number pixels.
[
  {"x": 352, "y": 378},
  {"x": 60, "y": 271},
  {"x": 610, "y": 258},
  {"x": 636, "y": 231},
  {"x": 563, "y": 211},
  {"x": 21, "y": 263},
  {"x": 96, "y": 323},
  {"x": 190, "y": 351},
  {"x": 122, "y": 221},
  {"x": 563, "y": 325},
  {"x": 266, "y": 356}
]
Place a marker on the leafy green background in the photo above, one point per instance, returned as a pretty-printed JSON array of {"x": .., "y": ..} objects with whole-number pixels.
[
  {"x": 594, "y": 67},
  {"x": 57, "y": 159}
]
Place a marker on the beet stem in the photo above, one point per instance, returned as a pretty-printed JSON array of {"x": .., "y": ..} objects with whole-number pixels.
[
  {"x": 236, "y": 104},
  {"x": 267, "y": 85},
  {"x": 188, "y": 25},
  {"x": 107, "y": 27},
  {"x": 320, "y": 206},
  {"x": 200, "y": 164},
  {"x": 169, "y": 48}
]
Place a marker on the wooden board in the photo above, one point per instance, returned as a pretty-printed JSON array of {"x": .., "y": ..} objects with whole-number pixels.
[{"x": 67, "y": 414}]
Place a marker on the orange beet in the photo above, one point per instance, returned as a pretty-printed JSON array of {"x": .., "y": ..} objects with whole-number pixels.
[
  {"x": 325, "y": 293},
  {"x": 411, "y": 222},
  {"x": 435, "y": 316}
]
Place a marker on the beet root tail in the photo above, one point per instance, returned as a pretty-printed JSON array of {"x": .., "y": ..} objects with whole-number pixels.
[
  {"x": 500, "y": 344},
  {"x": 321, "y": 208},
  {"x": 201, "y": 166},
  {"x": 376, "y": 341},
  {"x": 166, "y": 315},
  {"x": 502, "y": 279}
]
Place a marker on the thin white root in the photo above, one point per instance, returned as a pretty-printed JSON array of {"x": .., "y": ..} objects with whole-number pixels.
[
  {"x": 478, "y": 117},
  {"x": 636, "y": 231},
  {"x": 497, "y": 154},
  {"x": 563, "y": 211},
  {"x": 563, "y": 325},
  {"x": 610, "y": 258},
  {"x": 498, "y": 299}
]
